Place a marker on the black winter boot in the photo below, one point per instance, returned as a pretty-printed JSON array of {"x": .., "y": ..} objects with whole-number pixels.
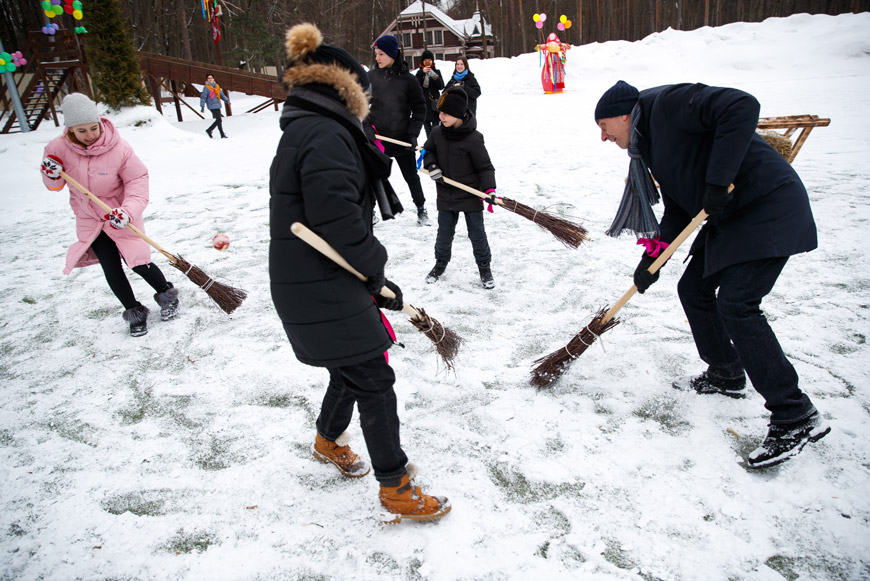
[
  {"x": 168, "y": 301},
  {"x": 486, "y": 275},
  {"x": 436, "y": 272},
  {"x": 138, "y": 319}
]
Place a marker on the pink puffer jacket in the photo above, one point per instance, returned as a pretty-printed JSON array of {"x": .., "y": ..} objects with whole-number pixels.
[{"x": 110, "y": 170}]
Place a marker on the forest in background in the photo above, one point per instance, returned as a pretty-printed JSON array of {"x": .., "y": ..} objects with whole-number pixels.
[{"x": 253, "y": 30}]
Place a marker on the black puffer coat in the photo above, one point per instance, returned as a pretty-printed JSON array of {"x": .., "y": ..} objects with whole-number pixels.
[
  {"x": 693, "y": 135},
  {"x": 318, "y": 178},
  {"x": 461, "y": 154},
  {"x": 471, "y": 87},
  {"x": 398, "y": 107}
]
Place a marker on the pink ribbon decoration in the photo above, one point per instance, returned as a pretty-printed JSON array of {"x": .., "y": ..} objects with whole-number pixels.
[
  {"x": 491, "y": 192},
  {"x": 654, "y": 246}
]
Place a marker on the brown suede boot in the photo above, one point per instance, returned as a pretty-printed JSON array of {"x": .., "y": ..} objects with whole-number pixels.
[
  {"x": 340, "y": 454},
  {"x": 407, "y": 501}
]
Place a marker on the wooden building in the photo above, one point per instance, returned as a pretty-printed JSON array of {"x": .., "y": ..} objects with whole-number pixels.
[{"x": 423, "y": 26}]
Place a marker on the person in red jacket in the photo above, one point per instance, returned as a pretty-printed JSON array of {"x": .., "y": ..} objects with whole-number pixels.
[{"x": 91, "y": 151}]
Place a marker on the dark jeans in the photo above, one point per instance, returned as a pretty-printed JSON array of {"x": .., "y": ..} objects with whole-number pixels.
[
  {"x": 476, "y": 233},
  {"x": 408, "y": 164},
  {"x": 110, "y": 259},
  {"x": 216, "y": 113},
  {"x": 732, "y": 334},
  {"x": 370, "y": 385}
]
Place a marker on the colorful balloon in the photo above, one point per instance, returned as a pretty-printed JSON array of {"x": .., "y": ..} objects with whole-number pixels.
[
  {"x": 77, "y": 5},
  {"x": 560, "y": 26},
  {"x": 58, "y": 9},
  {"x": 563, "y": 18},
  {"x": 539, "y": 24},
  {"x": 535, "y": 17},
  {"x": 46, "y": 4},
  {"x": 68, "y": 9},
  {"x": 543, "y": 17},
  {"x": 77, "y": 14},
  {"x": 568, "y": 24}
]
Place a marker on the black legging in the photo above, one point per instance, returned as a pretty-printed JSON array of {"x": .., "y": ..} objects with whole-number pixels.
[
  {"x": 110, "y": 259},
  {"x": 216, "y": 113}
]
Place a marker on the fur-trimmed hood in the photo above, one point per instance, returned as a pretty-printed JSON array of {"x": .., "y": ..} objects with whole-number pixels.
[{"x": 310, "y": 62}]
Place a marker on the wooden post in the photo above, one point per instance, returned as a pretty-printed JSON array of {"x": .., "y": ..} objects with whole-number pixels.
[{"x": 175, "y": 99}]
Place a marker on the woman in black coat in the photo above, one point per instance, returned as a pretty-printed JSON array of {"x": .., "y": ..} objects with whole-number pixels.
[
  {"x": 324, "y": 175},
  {"x": 697, "y": 141},
  {"x": 463, "y": 77},
  {"x": 432, "y": 83}
]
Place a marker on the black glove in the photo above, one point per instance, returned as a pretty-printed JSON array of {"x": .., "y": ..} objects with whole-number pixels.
[
  {"x": 390, "y": 304},
  {"x": 715, "y": 199},
  {"x": 435, "y": 172},
  {"x": 642, "y": 278}
]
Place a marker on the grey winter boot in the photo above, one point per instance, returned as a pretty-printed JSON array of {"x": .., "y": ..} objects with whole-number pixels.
[
  {"x": 138, "y": 319},
  {"x": 486, "y": 275},
  {"x": 436, "y": 272},
  {"x": 168, "y": 301}
]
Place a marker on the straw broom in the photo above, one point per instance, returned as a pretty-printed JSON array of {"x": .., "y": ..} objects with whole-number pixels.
[
  {"x": 568, "y": 233},
  {"x": 226, "y": 297},
  {"x": 446, "y": 341},
  {"x": 552, "y": 366}
]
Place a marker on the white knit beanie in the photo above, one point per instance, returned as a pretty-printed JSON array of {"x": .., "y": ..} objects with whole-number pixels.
[{"x": 78, "y": 109}]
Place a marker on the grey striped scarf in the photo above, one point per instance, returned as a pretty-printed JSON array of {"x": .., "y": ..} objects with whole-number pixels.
[{"x": 635, "y": 213}]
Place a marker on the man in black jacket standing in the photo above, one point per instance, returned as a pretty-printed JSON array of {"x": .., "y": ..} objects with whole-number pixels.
[
  {"x": 398, "y": 109},
  {"x": 324, "y": 175},
  {"x": 697, "y": 141}
]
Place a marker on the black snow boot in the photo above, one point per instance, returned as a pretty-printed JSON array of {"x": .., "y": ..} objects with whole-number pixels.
[
  {"x": 168, "y": 301},
  {"x": 783, "y": 441},
  {"x": 436, "y": 272},
  {"x": 138, "y": 319},
  {"x": 486, "y": 275},
  {"x": 711, "y": 382}
]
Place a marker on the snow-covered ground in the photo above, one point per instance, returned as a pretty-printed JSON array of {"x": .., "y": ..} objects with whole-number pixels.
[{"x": 185, "y": 454}]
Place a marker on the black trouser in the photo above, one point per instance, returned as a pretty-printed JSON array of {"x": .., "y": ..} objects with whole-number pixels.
[
  {"x": 216, "y": 113},
  {"x": 370, "y": 385},
  {"x": 110, "y": 259},
  {"x": 732, "y": 334},
  {"x": 408, "y": 164},
  {"x": 447, "y": 221}
]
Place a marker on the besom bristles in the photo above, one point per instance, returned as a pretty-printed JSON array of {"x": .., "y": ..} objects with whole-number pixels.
[
  {"x": 226, "y": 297},
  {"x": 568, "y": 233},
  {"x": 446, "y": 341},
  {"x": 551, "y": 367}
]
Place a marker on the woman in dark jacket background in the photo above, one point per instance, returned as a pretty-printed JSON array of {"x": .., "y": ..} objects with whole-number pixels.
[
  {"x": 324, "y": 175},
  {"x": 463, "y": 77},
  {"x": 432, "y": 83}
]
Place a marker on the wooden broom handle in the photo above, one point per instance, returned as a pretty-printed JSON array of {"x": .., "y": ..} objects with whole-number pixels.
[
  {"x": 322, "y": 246},
  {"x": 662, "y": 258},
  {"x": 106, "y": 207},
  {"x": 482, "y": 195}
]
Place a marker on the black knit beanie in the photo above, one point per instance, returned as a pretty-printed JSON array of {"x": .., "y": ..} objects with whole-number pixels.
[
  {"x": 617, "y": 100},
  {"x": 454, "y": 102}
]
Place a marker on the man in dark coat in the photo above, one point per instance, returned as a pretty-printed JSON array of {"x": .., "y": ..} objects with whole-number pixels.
[
  {"x": 456, "y": 149},
  {"x": 432, "y": 83},
  {"x": 398, "y": 109},
  {"x": 697, "y": 141},
  {"x": 324, "y": 176}
]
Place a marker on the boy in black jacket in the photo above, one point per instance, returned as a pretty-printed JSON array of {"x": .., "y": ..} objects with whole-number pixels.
[{"x": 457, "y": 148}]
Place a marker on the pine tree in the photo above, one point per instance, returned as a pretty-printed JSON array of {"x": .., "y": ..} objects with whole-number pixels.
[{"x": 113, "y": 62}]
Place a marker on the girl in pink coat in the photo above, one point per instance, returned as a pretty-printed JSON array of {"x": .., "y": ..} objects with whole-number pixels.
[{"x": 91, "y": 151}]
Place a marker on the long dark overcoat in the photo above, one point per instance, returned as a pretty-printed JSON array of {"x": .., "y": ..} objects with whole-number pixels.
[
  {"x": 692, "y": 135},
  {"x": 318, "y": 178}
]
